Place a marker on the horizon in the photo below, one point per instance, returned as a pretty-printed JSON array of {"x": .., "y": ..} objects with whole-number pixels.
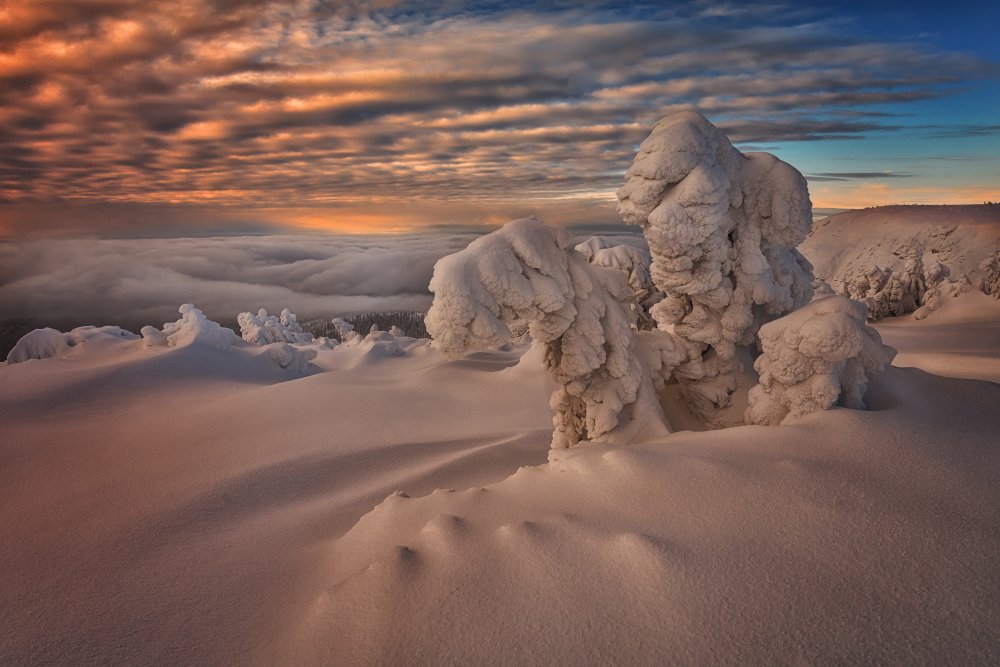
[{"x": 195, "y": 119}]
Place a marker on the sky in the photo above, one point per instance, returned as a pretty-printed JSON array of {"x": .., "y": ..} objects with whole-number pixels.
[{"x": 129, "y": 118}]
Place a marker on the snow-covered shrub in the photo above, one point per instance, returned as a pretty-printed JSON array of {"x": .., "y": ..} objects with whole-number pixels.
[
  {"x": 989, "y": 281},
  {"x": 722, "y": 229},
  {"x": 396, "y": 331},
  {"x": 821, "y": 354},
  {"x": 193, "y": 327},
  {"x": 263, "y": 329},
  {"x": 635, "y": 264},
  {"x": 345, "y": 330},
  {"x": 528, "y": 271},
  {"x": 38, "y": 344}
]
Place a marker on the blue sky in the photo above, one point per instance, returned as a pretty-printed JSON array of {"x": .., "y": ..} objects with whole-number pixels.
[{"x": 126, "y": 117}]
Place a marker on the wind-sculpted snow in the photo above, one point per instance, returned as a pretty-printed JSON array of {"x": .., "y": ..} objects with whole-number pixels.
[
  {"x": 528, "y": 271},
  {"x": 192, "y": 328},
  {"x": 633, "y": 262},
  {"x": 722, "y": 229},
  {"x": 262, "y": 329},
  {"x": 821, "y": 354}
]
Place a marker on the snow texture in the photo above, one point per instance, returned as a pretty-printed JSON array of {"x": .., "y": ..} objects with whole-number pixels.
[
  {"x": 633, "y": 262},
  {"x": 263, "y": 329},
  {"x": 528, "y": 271},
  {"x": 722, "y": 229},
  {"x": 191, "y": 329},
  {"x": 819, "y": 355}
]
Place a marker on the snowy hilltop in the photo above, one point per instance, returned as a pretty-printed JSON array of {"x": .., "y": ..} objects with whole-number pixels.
[{"x": 908, "y": 259}]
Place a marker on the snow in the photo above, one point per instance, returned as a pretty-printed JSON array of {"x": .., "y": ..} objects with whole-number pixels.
[
  {"x": 821, "y": 354},
  {"x": 901, "y": 259},
  {"x": 196, "y": 504},
  {"x": 722, "y": 229}
]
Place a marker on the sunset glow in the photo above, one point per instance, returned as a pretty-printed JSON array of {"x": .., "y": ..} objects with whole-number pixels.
[{"x": 382, "y": 117}]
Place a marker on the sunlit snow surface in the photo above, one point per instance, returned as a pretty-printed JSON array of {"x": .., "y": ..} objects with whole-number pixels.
[{"x": 200, "y": 504}]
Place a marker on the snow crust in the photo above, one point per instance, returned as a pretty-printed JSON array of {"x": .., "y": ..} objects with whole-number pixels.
[
  {"x": 722, "y": 229},
  {"x": 528, "y": 271},
  {"x": 819, "y": 355},
  {"x": 263, "y": 329}
]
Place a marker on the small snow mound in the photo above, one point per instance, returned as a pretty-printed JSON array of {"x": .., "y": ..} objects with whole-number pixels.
[
  {"x": 819, "y": 355},
  {"x": 264, "y": 329},
  {"x": 284, "y": 355},
  {"x": 380, "y": 345},
  {"x": 39, "y": 344}
]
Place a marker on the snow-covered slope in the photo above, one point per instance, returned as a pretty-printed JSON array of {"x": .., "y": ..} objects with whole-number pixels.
[
  {"x": 199, "y": 504},
  {"x": 893, "y": 255}
]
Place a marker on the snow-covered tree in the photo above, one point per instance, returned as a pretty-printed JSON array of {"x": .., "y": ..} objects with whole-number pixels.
[
  {"x": 722, "y": 229},
  {"x": 193, "y": 327},
  {"x": 819, "y": 355},
  {"x": 264, "y": 329},
  {"x": 528, "y": 271}
]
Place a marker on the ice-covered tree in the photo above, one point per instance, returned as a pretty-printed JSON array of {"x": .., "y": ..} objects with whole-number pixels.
[
  {"x": 819, "y": 355},
  {"x": 263, "y": 329},
  {"x": 528, "y": 271},
  {"x": 722, "y": 229}
]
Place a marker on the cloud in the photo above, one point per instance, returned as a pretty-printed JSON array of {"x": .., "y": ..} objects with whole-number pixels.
[
  {"x": 134, "y": 282},
  {"x": 853, "y": 175},
  {"x": 258, "y": 104}
]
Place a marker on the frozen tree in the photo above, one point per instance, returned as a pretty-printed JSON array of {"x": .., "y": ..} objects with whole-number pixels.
[
  {"x": 345, "y": 330},
  {"x": 263, "y": 329},
  {"x": 819, "y": 355},
  {"x": 722, "y": 229},
  {"x": 396, "y": 331},
  {"x": 527, "y": 271},
  {"x": 193, "y": 327},
  {"x": 633, "y": 262}
]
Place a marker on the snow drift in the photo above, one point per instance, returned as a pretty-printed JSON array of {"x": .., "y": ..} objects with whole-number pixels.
[{"x": 722, "y": 229}]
